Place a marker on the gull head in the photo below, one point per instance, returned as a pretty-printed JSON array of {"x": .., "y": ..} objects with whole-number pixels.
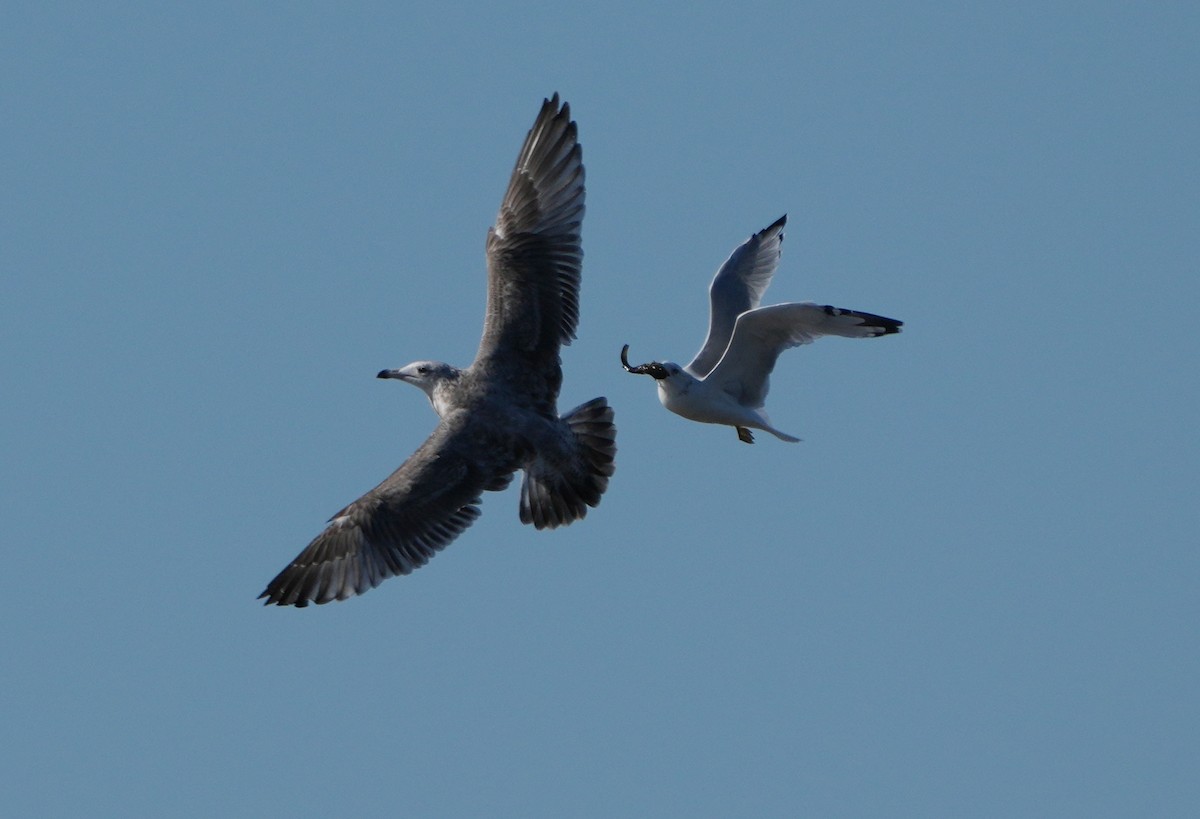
[
  {"x": 654, "y": 369},
  {"x": 434, "y": 378}
]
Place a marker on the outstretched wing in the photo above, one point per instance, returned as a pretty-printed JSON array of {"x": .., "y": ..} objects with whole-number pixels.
[
  {"x": 400, "y": 524},
  {"x": 738, "y": 286},
  {"x": 759, "y": 336},
  {"x": 533, "y": 251}
]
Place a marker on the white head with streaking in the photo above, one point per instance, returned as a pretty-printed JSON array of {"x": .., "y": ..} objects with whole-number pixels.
[
  {"x": 728, "y": 380},
  {"x": 436, "y": 379}
]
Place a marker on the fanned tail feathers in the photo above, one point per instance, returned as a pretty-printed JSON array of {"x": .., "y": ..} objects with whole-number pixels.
[{"x": 553, "y": 496}]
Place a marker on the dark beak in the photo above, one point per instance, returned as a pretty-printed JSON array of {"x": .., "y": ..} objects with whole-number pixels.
[
  {"x": 652, "y": 368},
  {"x": 390, "y": 374}
]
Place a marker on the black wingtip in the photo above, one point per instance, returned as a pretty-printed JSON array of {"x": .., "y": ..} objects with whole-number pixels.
[
  {"x": 777, "y": 225},
  {"x": 875, "y": 325},
  {"x": 887, "y": 326}
]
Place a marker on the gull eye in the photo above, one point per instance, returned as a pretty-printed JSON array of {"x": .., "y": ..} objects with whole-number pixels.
[{"x": 422, "y": 370}]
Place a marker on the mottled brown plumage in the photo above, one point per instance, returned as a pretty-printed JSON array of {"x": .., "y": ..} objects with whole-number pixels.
[{"x": 497, "y": 415}]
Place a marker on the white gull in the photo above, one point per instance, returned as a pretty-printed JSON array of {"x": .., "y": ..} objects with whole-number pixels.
[
  {"x": 727, "y": 381},
  {"x": 497, "y": 415}
]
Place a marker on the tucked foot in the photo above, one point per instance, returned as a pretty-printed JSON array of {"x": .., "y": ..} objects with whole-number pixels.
[{"x": 745, "y": 434}]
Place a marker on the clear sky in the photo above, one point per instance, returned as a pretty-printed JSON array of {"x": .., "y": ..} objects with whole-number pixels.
[{"x": 970, "y": 591}]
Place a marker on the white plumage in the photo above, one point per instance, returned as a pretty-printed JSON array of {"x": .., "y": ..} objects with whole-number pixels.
[{"x": 728, "y": 380}]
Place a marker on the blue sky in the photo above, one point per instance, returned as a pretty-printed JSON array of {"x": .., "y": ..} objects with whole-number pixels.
[{"x": 971, "y": 590}]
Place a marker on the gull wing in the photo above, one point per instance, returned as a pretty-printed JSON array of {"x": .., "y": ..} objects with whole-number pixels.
[
  {"x": 738, "y": 286},
  {"x": 533, "y": 251},
  {"x": 400, "y": 524},
  {"x": 759, "y": 336}
]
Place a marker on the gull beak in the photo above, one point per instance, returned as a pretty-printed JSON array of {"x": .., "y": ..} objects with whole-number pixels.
[
  {"x": 392, "y": 374},
  {"x": 652, "y": 368}
]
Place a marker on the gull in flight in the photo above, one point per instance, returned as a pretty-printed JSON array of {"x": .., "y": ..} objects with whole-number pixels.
[
  {"x": 497, "y": 415},
  {"x": 727, "y": 381}
]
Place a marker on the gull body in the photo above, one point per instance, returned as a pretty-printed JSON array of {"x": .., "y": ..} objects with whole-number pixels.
[
  {"x": 728, "y": 380},
  {"x": 708, "y": 402},
  {"x": 496, "y": 416}
]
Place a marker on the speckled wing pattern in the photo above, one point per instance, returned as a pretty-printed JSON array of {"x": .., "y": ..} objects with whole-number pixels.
[
  {"x": 400, "y": 524},
  {"x": 533, "y": 251}
]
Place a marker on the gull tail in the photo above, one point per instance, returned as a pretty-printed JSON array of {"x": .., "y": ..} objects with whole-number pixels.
[
  {"x": 766, "y": 426},
  {"x": 557, "y": 492},
  {"x": 781, "y": 435}
]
